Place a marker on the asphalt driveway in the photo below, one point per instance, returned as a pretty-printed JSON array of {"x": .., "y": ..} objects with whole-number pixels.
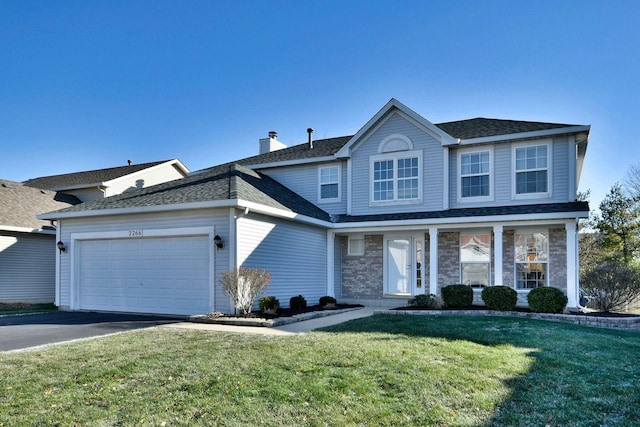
[{"x": 19, "y": 332}]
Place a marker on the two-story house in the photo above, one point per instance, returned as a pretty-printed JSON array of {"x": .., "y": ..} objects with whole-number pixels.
[{"x": 401, "y": 208}]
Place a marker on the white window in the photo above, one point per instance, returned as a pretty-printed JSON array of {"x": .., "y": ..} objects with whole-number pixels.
[
  {"x": 329, "y": 184},
  {"x": 475, "y": 260},
  {"x": 396, "y": 178},
  {"x": 474, "y": 181},
  {"x": 531, "y": 260},
  {"x": 355, "y": 246},
  {"x": 532, "y": 165}
]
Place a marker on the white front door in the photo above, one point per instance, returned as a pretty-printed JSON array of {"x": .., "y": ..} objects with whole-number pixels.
[{"x": 404, "y": 258}]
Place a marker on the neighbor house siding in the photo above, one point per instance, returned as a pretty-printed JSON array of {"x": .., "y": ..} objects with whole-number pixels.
[
  {"x": 294, "y": 254},
  {"x": 145, "y": 178},
  {"x": 432, "y": 169},
  {"x": 27, "y": 267},
  {"x": 86, "y": 194},
  {"x": 219, "y": 219}
]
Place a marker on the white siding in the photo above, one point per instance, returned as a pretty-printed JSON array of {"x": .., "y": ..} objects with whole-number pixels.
[
  {"x": 27, "y": 267},
  {"x": 294, "y": 254},
  {"x": 145, "y": 178},
  {"x": 86, "y": 194},
  {"x": 432, "y": 168},
  {"x": 219, "y": 219},
  {"x": 303, "y": 180}
]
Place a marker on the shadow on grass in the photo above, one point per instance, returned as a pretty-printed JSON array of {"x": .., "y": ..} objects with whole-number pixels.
[{"x": 579, "y": 375}]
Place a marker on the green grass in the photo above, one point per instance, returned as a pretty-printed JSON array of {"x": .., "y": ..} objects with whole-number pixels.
[
  {"x": 24, "y": 308},
  {"x": 383, "y": 370}
]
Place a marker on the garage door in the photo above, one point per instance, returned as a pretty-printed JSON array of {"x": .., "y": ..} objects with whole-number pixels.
[{"x": 164, "y": 275}]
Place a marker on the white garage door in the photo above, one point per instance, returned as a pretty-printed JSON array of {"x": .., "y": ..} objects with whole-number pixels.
[{"x": 163, "y": 275}]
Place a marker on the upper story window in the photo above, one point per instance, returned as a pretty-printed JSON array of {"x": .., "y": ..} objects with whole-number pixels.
[
  {"x": 329, "y": 184},
  {"x": 474, "y": 183},
  {"x": 532, "y": 166},
  {"x": 396, "y": 173}
]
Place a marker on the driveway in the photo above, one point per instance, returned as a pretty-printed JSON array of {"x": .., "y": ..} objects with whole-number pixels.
[{"x": 19, "y": 332}]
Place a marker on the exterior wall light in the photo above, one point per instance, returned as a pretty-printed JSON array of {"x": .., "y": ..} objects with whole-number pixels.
[
  {"x": 61, "y": 246},
  {"x": 218, "y": 241}
]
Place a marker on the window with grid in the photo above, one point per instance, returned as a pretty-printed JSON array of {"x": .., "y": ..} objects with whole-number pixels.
[
  {"x": 531, "y": 260},
  {"x": 396, "y": 179},
  {"x": 329, "y": 178},
  {"x": 532, "y": 169},
  {"x": 475, "y": 170},
  {"x": 475, "y": 260}
]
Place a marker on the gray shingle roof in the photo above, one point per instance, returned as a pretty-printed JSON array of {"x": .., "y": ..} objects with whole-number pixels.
[
  {"x": 225, "y": 182},
  {"x": 481, "y": 127},
  {"x": 87, "y": 177},
  {"x": 471, "y": 212},
  {"x": 19, "y": 204}
]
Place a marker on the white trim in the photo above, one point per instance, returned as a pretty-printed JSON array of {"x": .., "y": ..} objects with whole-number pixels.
[
  {"x": 471, "y": 150},
  {"x": 338, "y": 198},
  {"x": 27, "y": 230},
  {"x": 433, "y": 260},
  {"x": 395, "y": 156},
  {"x": 573, "y": 158},
  {"x": 233, "y": 237},
  {"x": 526, "y": 196},
  {"x": 331, "y": 236},
  {"x": 288, "y": 163},
  {"x": 349, "y": 183},
  {"x": 573, "y": 287},
  {"x": 523, "y": 135},
  {"x": 446, "y": 189},
  {"x": 498, "y": 255},
  {"x": 382, "y": 147},
  {"x": 58, "y": 267}
]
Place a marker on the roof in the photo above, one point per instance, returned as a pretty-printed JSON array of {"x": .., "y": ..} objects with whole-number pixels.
[
  {"x": 79, "y": 179},
  {"x": 482, "y": 128},
  {"x": 547, "y": 208},
  {"x": 19, "y": 205},
  {"x": 225, "y": 182}
]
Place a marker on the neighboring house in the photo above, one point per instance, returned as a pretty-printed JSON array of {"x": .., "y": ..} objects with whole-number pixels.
[
  {"x": 401, "y": 208},
  {"x": 27, "y": 244},
  {"x": 101, "y": 183}
]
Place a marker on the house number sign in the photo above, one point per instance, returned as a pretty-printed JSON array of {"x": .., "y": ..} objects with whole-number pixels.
[{"x": 135, "y": 233}]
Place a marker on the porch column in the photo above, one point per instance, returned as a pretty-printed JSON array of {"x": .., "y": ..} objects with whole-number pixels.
[
  {"x": 331, "y": 241},
  {"x": 498, "y": 258},
  {"x": 433, "y": 260},
  {"x": 571, "y": 229}
]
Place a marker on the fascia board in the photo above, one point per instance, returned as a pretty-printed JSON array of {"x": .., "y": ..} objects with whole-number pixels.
[
  {"x": 526, "y": 135},
  {"x": 458, "y": 221},
  {"x": 282, "y": 213},
  {"x": 27, "y": 230},
  {"x": 290, "y": 162},
  {"x": 78, "y": 186}
]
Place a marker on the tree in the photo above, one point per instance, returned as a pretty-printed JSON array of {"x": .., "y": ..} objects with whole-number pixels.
[
  {"x": 619, "y": 224},
  {"x": 611, "y": 284},
  {"x": 243, "y": 285}
]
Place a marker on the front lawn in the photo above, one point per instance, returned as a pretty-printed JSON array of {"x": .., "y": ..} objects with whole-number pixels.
[{"x": 382, "y": 370}]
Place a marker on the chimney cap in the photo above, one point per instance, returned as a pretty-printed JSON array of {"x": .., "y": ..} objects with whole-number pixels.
[{"x": 273, "y": 134}]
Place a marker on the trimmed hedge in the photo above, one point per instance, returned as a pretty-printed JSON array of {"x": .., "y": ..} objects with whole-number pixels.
[
  {"x": 327, "y": 301},
  {"x": 457, "y": 296},
  {"x": 547, "y": 300},
  {"x": 297, "y": 302},
  {"x": 500, "y": 298},
  {"x": 269, "y": 304},
  {"x": 424, "y": 301}
]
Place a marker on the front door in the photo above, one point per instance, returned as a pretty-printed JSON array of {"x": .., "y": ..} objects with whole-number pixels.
[{"x": 403, "y": 265}]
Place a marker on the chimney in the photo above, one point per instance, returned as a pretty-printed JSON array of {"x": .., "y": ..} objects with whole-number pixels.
[
  {"x": 271, "y": 143},
  {"x": 310, "y": 131}
]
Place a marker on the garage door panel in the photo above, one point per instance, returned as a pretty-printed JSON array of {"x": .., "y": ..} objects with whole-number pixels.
[{"x": 150, "y": 275}]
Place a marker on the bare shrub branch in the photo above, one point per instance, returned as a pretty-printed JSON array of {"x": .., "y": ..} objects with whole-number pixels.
[{"x": 244, "y": 285}]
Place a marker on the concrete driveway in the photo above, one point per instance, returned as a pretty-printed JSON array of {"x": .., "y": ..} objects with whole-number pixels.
[{"x": 20, "y": 332}]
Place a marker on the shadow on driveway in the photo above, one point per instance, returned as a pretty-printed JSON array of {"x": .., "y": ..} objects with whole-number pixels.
[{"x": 20, "y": 332}]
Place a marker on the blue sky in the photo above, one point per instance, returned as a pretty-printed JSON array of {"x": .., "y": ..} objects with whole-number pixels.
[{"x": 90, "y": 84}]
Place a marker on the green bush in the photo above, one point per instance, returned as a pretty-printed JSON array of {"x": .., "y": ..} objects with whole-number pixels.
[
  {"x": 547, "y": 300},
  {"x": 269, "y": 304},
  {"x": 457, "y": 296},
  {"x": 297, "y": 302},
  {"x": 328, "y": 301},
  {"x": 424, "y": 301},
  {"x": 501, "y": 298}
]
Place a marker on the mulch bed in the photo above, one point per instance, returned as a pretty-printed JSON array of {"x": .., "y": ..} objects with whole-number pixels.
[
  {"x": 521, "y": 310},
  {"x": 289, "y": 312}
]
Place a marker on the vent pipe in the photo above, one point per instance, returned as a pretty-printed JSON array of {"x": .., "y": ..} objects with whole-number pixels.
[{"x": 310, "y": 131}]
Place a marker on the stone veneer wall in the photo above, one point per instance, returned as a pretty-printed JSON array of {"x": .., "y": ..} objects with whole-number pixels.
[
  {"x": 448, "y": 259},
  {"x": 362, "y": 276},
  {"x": 558, "y": 258}
]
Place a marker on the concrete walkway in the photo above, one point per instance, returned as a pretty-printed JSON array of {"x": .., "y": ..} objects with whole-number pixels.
[{"x": 290, "y": 329}]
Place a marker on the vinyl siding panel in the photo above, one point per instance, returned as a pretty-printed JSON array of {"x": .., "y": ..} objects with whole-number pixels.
[
  {"x": 142, "y": 179},
  {"x": 86, "y": 194},
  {"x": 27, "y": 267},
  {"x": 293, "y": 253},
  {"x": 218, "y": 218},
  {"x": 432, "y": 168},
  {"x": 303, "y": 180}
]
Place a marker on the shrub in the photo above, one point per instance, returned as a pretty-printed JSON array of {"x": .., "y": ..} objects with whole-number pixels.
[
  {"x": 243, "y": 285},
  {"x": 297, "y": 302},
  {"x": 457, "y": 296},
  {"x": 328, "y": 301},
  {"x": 547, "y": 300},
  {"x": 424, "y": 301},
  {"x": 611, "y": 284},
  {"x": 501, "y": 298},
  {"x": 269, "y": 304}
]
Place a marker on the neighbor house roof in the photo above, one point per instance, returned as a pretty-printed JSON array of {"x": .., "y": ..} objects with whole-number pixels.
[
  {"x": 19, "y": 205},
  {"x": 226, "y": 182},
  {"x": 86, "y": 178}
]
